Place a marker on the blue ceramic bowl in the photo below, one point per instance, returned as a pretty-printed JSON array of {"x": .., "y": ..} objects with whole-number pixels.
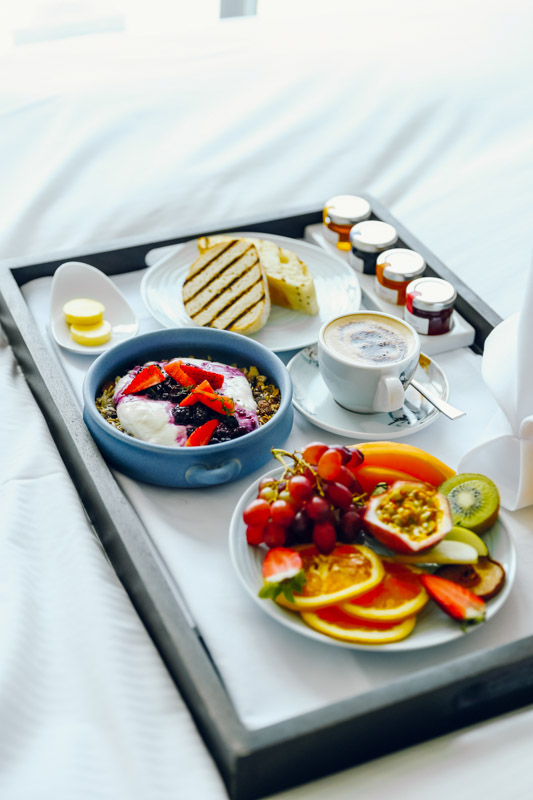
[{"x": 187, "y": 466}]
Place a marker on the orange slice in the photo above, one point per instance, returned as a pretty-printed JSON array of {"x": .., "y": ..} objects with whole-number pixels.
[
  {"x": 334, "y": 622},
  {"x": 399, "y": 595},
  {"x": 349, "y": 570}
]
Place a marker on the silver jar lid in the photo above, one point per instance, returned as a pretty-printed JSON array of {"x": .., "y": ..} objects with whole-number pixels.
[
  {"x": 346, "y": 209},
  {"x": 401, "y": 264},
  {"x": 373, "y": 236},
  {"x": 431, "y": 294}
]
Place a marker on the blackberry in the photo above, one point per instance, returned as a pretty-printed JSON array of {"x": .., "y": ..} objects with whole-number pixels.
[
  {"x": 193, "y": 415},
  {"x": 167, "y": 390}
]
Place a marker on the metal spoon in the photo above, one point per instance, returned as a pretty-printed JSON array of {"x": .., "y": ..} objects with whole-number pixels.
[{"x": 444, "y": 407}]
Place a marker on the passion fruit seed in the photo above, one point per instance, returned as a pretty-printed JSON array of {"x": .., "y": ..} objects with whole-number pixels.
[{"x": 412, "y": 510}]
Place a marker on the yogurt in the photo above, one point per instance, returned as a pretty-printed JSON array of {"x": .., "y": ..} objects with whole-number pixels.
[{"x": 153, "y": 421}]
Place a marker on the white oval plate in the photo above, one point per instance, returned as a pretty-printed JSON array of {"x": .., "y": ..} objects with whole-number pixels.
[
  {"x": 312, "y": 399},
  {"x": 432, "y": 628},
  {"x": 337, "y": 290},
  {"x": 76, "y": 279}
]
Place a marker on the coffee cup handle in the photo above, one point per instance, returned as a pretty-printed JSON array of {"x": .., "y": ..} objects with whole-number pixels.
[{"x": 389, "y": 394}]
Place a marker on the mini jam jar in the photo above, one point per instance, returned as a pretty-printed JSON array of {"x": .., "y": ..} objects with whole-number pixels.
[
  {"x": 395, "y": 269},
  {"x": 368, "y": 240},
  {"x": 340, "y": 214},
  {"x": 429, "y": 305}
]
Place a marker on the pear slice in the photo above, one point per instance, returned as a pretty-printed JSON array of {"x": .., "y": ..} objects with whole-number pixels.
[
  {"x": 458, "y": 534},
  {"x": 445, "y": 552}
]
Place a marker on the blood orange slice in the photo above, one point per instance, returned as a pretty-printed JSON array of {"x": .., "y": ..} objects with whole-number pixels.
[
  {"x": 349, "y": 570},
  {"x": 333, "y": 621},
  {"x": 399, "y": 595}
]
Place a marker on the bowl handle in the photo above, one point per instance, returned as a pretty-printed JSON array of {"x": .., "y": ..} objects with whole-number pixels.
[{"x": 200, "y": 475}]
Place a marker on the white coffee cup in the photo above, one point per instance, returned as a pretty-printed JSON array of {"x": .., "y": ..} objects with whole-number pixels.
[{"x": 366, "y": 359}]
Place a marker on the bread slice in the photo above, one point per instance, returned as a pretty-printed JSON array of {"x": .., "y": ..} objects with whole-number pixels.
[
  {"x": 226, "y": 288},
  {"x": 290, "y": 281}
]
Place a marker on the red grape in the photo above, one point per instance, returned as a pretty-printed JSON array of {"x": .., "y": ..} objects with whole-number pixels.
[
  {"x": 357, "y": 458},
  {"x": 282, "y": 512},
  {"x": 339, "y": 495},
  {"x": 254, "y": 534},
  {"x": 346, "y": 453},
  {"x": 324, "y": 537},
  {"x": 274, "y": 535},
  {"x": 313, "y": 452},
  {"x": 351, "y": 526},
  {"x": 317, "y": 508},
  {"x": 329, "y": 465},
  {"x": 346, "y": 478},
  {"x": 300, "y": 487},
  {"x": 301, "y": 527},
  {"x": 256, "y": 513}
]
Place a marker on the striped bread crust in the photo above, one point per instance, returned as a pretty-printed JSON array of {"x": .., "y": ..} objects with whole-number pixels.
[
  {"x": 226, "y": 288},
  {"x": 290, "y": 282}
]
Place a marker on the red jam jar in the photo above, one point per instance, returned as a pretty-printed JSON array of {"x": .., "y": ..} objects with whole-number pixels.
[
  {"x": 429, "y": 305},
  {"x": 340, "y": 214},
  {"x": 395, "y": 269}
]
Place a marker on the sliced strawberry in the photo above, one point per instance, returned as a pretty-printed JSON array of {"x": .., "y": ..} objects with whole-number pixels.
[
  {"x": 281, "y": 563},
  {"x": 193, "y": 397},
  {"x": 174, "y": 369},
  {"x": 216, "y": 402},
  {"x": 202, "y": 435},
  {"x": 149, "y": 376},
  {"x": 457, "y": 601},
  {"x": 199, "y": 374},
  {"x": 283, "y": 572}
]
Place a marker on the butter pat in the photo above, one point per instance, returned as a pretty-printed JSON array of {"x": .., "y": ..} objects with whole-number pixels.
[
  {"x": 83, "y": 311},
  {"x": 91, "y": 335}
]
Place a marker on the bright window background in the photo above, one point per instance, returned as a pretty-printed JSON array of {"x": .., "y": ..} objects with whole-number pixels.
[{"x": 27, "y": 21}]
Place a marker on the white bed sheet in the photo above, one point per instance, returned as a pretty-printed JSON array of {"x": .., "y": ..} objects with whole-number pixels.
[{"x": 428, "y": 108}]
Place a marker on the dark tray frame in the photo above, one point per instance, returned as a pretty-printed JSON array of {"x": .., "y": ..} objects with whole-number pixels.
[{"x": 254, "y": 763}]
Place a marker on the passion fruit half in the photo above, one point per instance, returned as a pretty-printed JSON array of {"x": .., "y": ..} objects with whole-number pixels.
[{"x": 410, "y": 517}]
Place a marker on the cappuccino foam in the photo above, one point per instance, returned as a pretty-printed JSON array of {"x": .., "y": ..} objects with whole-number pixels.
[{"x": 368, "y": 340}]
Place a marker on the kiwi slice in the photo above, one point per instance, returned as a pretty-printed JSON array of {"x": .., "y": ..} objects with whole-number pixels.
[{"x": 474, "y": 501}]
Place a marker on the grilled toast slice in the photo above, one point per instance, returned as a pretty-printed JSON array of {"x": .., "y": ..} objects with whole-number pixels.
[
  {"x": 290, "y": 281},
  {"x": 226, "y": 288}
]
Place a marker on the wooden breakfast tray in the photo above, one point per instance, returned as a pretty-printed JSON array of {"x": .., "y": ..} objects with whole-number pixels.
[{"x": 254, "y": 763}]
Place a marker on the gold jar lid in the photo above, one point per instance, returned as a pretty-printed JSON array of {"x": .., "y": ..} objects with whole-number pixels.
[
  {"x": 401, "y": 264},
  {"x": 346, "y": 209}
]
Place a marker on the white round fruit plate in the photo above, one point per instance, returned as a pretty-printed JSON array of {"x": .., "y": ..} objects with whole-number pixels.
[{"x": 432, "y": 628}]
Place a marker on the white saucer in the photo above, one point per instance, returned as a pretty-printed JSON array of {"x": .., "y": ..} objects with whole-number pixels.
[
  {"x": 313, "y": 400},
  {"x": 76, "y": 279}
]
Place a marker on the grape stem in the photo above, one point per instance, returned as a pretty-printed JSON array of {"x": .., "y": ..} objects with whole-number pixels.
[
  {"x": 278, "y": 454},
  {"x": 299, "y": 466}
]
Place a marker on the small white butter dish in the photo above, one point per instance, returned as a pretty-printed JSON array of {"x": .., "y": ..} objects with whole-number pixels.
[{"x": 76, "y": 279}]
